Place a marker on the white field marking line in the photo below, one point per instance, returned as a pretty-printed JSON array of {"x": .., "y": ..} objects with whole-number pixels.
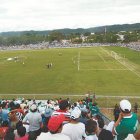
[
  {"x": 57, "y": 94},
  {"x": 79, "y": 69},
  {"x": 101, "y": 57},
  {"x": 104, "y": 69},
  {"x": 79, "y": 61},
  {"x": 128, "y": 67}
]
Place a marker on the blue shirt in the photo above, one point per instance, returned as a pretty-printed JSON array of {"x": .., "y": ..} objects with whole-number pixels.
[{"x": 4, "y": 115}]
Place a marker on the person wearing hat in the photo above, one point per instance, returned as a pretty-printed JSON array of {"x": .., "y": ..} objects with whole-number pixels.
[
  {"x": 35, "y": 120},
  {"x": 94, "y": 110},
  {"x": 45, "y": 119},
  {"x": 55, "y": 127},
  {"x": 127, "y": 122},
  {"x": 75, "y": 129}
]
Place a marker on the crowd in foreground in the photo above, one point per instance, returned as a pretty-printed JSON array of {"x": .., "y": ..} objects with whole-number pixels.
[{"x": 60, "y": 120}]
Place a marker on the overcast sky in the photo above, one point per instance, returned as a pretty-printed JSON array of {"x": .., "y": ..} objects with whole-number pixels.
[{"x": 19, "y": 15}]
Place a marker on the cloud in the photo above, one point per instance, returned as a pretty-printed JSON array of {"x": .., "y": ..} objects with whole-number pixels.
[{"x": 54, "y": 14}]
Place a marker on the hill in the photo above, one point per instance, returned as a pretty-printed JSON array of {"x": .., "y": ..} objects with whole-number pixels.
[{"x": 112, "y": 28}]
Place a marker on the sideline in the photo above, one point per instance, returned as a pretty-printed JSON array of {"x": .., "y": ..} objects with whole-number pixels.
[{"x": 70, "y": 95}]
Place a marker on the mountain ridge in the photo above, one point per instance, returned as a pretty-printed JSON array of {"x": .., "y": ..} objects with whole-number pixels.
[{"x": 112, "y": 28}]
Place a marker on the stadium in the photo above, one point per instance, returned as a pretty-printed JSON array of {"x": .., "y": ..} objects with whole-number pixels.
[
  {"x": 108, "y": 73},
  {"x": 69, "y": 70},
  {"x": 84, "y": 73}
]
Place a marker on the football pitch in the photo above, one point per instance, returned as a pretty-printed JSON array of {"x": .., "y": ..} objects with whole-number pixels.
[{"x": 112, "y": 71}]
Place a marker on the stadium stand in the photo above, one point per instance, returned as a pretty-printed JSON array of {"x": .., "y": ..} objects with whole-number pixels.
[
  {"x": 46, "y": 45},
  {"x": 54, "y": 120}
]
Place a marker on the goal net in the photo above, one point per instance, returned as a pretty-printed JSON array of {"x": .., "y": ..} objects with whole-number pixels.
[{"x": 115, "y": 55}]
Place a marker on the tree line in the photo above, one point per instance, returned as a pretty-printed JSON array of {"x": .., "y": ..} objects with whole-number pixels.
[{"x": 109, "y": 37}]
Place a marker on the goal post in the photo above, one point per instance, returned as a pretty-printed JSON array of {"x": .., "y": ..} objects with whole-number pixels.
[{"x": 115, "y": 55}]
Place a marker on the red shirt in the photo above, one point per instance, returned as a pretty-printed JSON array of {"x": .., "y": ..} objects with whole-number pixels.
[
  {"x": 23, "y": 138},
  {"x": 3, "y": 131}
]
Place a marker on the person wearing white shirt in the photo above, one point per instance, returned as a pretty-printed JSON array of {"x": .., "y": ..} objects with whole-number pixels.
[
  {"x": 91, "y": 130},
  {"x": 75, "y": 130}
]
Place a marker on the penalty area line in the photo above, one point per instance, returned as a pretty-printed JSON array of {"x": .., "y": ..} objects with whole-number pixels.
[
  {"x": 79, "y": 61},
  {"x": 104, "y": 70}
]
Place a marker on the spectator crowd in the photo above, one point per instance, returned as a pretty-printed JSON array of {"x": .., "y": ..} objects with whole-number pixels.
[
  {"x": 46, "y": 45},
  {"x": 61, "y": 120}
]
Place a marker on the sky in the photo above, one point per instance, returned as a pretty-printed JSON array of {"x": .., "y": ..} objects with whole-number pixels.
[{"x": 21, "y": 15}]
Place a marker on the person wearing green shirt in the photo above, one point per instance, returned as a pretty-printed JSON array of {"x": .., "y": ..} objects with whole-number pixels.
[
  {"x": 94, "y": 110},
  {"x": 127, "y": 122}
]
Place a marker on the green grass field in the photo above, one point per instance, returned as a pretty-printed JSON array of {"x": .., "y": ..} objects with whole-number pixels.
[{"x": 76, "y": 71}]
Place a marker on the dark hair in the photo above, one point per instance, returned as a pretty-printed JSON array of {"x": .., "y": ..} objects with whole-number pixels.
[
  {"x": 126, "y": 111},
  {"x": 63, "y": 104},
  {"x": 10, "y": 134},
  {"x": 11, "y": 104},
  {"x": 21, "y": 131},
  {"x": 33, "y": 110},
  {"x": 90, "y": 126},
  {"x": 32, "y": 136},
  {"x": 4, "y": 105},
  {"x": 75, "y": 104},
  {"x": 18, "y": 124},
  {"x": 17, "y": 106},
  {"x": 105, "y": 135},
  {"x": 100, "y": 121},
  {"x": 5, "y": 124},
  {"x": 84, "y": 114}
]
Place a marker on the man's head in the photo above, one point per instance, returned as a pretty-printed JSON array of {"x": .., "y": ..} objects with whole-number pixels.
[
  {"x": 91, "y": 127},
  {"x": 55, "y": 123},
  {"x": 64, "y": 105},
  {"x": 4, "y": 106},
  {"x": 84, "y": 114},
  {"x": 105, "y": 135},
  {"x": 21, "y": 131},
  {"x": 95, "y": 104},
  {"x": 125, "y": 106},
  {"x": 33, "y": 108},
  {"x": 75, "y": 114}
]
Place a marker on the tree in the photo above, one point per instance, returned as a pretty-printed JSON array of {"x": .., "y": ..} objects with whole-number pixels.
[
  {"x": 128, "y": 37},
  {"x": 87, "y": 33},
  {"x": 55, "y": 36}
]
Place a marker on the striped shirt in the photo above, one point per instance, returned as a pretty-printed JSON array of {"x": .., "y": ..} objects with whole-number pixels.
[{"x": 66, "y": 113}]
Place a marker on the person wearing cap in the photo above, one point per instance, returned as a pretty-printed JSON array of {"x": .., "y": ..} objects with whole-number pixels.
[
  {"x": 45, "y": 119},
  {"x": 55, "y": 127},
  {"x": 35, "y": 120},
  {"x": 127, "y": 122},
  {"x": 75, "y": 129},
  {"x": 94, "y": 110}
]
